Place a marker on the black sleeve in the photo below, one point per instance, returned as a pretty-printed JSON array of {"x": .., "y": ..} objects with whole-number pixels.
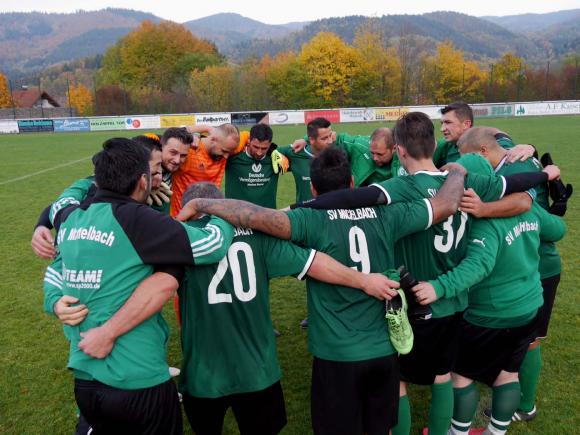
[
  {"x": 43, "y": 219},
  {"x": 175, "y": 271},
  {"x": 524, "y": 181},
  {"x": 157, "y": 238},
  {"x": 346, "y": 198}
]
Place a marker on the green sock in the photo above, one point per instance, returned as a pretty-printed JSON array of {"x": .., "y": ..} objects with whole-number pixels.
[
  {"x": 441, "y": 409},
  {"x": 505, "y": 401},
  {"x": 403, "y": 426},
  {"x": 465, "y": 402},
  {"x": 529, "y": 378}
]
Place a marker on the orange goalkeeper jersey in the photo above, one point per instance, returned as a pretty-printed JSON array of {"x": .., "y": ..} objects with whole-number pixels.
[{"x": 199, "y": 166}]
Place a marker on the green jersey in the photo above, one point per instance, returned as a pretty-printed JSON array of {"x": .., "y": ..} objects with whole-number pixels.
[
  {"x": 430, "y": 253},
  {"x": 251, "y": 179},
  {"x": 550, "y": 264},
  {"x": 226, "y": 329},
  {"x": 447, "y": 152},
  {"x": 501, "y": 268},
  {"x": 300, "y": 167},
  {"x": 107, "y": 247},
  {"x": 347, "y": 325}
]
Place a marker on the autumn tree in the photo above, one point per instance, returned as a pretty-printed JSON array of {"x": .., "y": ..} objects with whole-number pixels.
[
  {"x": 508, "y": 73},
  {"x": 332, "y": 68},
  {"x": 81, "y": 99},
  {"x": 287, "y": 82},
  {"x": 5, "y": 97},
  {"x": 153, "y": 56},
  {"x": 448, "y": 76},
  {"x": 212, "y": 88}
]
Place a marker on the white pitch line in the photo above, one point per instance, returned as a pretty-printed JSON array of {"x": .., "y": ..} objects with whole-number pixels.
[{"x": 34, "y": 174}]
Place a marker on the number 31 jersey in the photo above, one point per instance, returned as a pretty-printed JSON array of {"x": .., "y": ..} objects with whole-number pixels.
[{"x": 226, "y": 330}]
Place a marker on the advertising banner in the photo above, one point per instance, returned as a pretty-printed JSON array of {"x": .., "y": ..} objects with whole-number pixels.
[
  {"x": 142, "y": 123},
  {"x": 433, "y": 112},
  {"x": 492, "y": 110},
  {"x": 281, "y": 118},
  {"x": 332, "y": 115},
  {"x": 249, "y": 118},
  {"x": 167, "y": 121},
  {"x": 72, "y": 124},
  {"x": 8, "y": 126},
  {"x": 390, "y": 113},
  {"x": 548, "y": 108},
  {"x": 102, "y": 124},
  {"x": 35, "y": 125},
  {"x": 357, "y": 115},
  {"x": 213, "y": 119}
]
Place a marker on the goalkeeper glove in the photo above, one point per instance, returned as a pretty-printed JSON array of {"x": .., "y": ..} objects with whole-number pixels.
[
  {"x": 160, "y": 195},
  {"x": 559, "y": 193},
  {"x": 279, "y": 162}
]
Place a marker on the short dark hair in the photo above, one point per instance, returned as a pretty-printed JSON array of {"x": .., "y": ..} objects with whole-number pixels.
[
  {"x": 150, "y": 141},
  {"x": 202, "y": 189},
  {"x": 261, "y": 132},
  {"x": 313, "y": 126},
  {"x": 120, "y": 165},
  {"x": 179, "y": 133},
  {"x": 416, "y": 133},
  {"x": 461, "y": 109},
  {"x": 330, "y": 171}
]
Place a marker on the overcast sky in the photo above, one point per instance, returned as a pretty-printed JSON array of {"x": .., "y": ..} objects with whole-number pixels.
[{"x": 284, "y": 11}]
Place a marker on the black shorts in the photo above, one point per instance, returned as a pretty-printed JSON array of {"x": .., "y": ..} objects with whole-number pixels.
[
  {"x": 257, "y": 413},
  {"x": 549, "y": 286},
  {"x": 111, "y": 410},
  {"x": 485, "y": 352},
  {"x": 434, "y": 349},
  {"x": 352, "y": 398}
]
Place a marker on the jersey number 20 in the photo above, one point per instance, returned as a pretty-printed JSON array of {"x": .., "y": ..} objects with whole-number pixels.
[{"x": 232, "y": 260}]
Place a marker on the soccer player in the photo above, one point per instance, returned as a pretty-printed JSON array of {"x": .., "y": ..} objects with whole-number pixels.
[
  {"x": 206, "y": 160},
  {"x": 354, "y": 377},
  {"x": 252, "y": 175},
  {"x": 106, "y": 248},
  {"x": 456, "y": 119},
  {"x": 229, "y": 353},
  {"x": 505, "y": 296},
  {"x": 482, "y": 141},
  {"x": 42, "y": 241}
]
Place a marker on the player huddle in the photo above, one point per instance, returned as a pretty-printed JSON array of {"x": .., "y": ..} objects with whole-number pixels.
[{"x": 468, "y": 217}]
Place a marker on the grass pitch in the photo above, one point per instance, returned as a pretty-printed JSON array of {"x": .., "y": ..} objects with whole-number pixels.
[{"x": 35, "y": 388}]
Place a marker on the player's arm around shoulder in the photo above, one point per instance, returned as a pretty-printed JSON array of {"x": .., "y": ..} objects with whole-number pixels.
[{"x": 72, "y": 195}]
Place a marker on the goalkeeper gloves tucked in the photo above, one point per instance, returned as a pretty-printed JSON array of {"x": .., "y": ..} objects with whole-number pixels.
[
  {"x": 279, "y": 162},
  {"x": 160, "y": 195}
]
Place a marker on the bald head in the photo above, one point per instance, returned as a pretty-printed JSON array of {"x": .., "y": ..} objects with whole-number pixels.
[
  {"x": 476, "y": 139},
  {"x": 381, "y": 146}
]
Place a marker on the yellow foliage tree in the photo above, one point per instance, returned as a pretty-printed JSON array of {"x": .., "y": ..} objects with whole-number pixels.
[
  {"x": 506, "y": 74},
  {"x": 332, "y": 67},
  {"x": 448, "y": 76},
  {"x": 212, "y": 88},
  {"x": 380, "y": 65},
  {"x": 287, "y": 81},
  {"x": 147, "y": 57},
  {"x": 81, "y": 99},
  {"x": 5, "y": 97}
]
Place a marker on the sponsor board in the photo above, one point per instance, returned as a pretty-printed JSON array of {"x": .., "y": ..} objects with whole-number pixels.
[
  {"x": 357, "y": 115},
  {"x": 281, "y": 118},
  {"x": 35, "y": 125},
  {"x": 548, "y": 108},
  {"x": 390, "y": 113},
  {"x": 213, "y": 119},
  {"x": 102, "y": 124},
  {"x": 167, "y": 121},
  {"x": 249, "y": 118},
  {"x": 8, "y": 126},
  {"x": 72, "y": 124},
  {"x": 433, "y": 112},
  {"x": 142, "y": 123},
  {"x": 486, "y": 111},
  {"x": 332, "y": 115}
]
